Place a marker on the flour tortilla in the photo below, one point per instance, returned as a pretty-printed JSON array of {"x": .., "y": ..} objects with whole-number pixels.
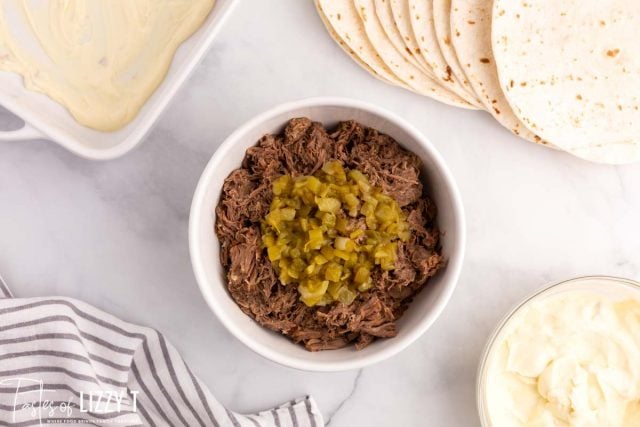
[
  {"x": 409, "y": 74},
  {"x": 421, "y": 19},
  {"x": 441, "y": 10},
  {"x": 383, "y": 11},
  {"x": 401, "y": 13},
  {"x": 344, "y": 24},
  {"x": 353, "y": 40},
  {"x": 356, "y": 58},
  {"x": 570, "y": 70},
  {"x": 471, "y": 38}
]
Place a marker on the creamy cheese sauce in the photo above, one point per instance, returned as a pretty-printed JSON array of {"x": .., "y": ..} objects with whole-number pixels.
[
  {"x": 568, "y": 360},
  {"x": 101, "y": 59}
]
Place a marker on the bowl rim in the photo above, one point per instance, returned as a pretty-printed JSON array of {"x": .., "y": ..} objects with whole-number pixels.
[
  {"x": 400, "y": 343},
  {"x": 502, "y": 323}
]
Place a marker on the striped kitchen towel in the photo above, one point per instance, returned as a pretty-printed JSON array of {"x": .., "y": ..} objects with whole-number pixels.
[{"x": 65, "y": 362}]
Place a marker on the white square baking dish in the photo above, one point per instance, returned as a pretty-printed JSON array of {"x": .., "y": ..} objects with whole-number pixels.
[{"x": 46, "y": 119}]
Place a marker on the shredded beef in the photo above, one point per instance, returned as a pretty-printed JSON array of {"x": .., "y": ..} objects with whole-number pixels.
[{"x": 301, "y": 150}]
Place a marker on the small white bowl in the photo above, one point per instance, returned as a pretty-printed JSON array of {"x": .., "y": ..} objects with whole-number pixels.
[
  {"x": 604, "y": 285},
  {"x": 204, "y": 245}
]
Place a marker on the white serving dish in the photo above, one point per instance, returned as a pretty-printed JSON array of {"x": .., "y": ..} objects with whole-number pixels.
[
  {"x": 204, "y": 245},
  {"x": 46, "y": 119}
]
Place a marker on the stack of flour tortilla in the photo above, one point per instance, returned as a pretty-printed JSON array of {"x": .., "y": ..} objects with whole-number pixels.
[{"x": 563, "y": 73}]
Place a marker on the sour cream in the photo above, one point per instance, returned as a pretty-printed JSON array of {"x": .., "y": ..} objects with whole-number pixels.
[
  {"x": 101, "y": 59},
  {"x": 570, "y": 359}
]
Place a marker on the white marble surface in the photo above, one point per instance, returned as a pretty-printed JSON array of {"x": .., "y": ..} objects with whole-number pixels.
[{"x": 115, "y": 234}]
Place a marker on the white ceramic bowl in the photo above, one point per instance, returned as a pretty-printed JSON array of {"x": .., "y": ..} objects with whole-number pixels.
[
  {"x": 204, "y": 246},
  {"x": 613, "y": 287}
]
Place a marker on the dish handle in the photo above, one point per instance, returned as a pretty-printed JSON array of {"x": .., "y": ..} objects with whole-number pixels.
[{"x": 22, "y": 134}]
